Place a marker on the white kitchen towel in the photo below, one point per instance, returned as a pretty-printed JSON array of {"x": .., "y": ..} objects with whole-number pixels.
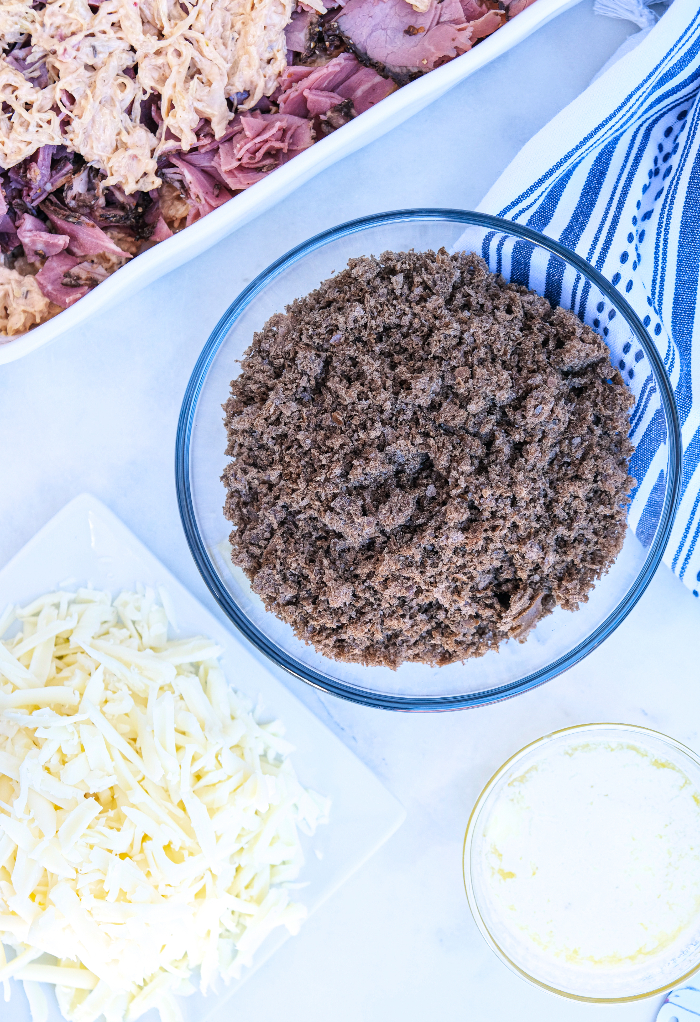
[{"x": 616, "y": 177}]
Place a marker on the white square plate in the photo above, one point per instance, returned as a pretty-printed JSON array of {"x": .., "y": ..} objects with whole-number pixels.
[{"x": 85, "y": 543}]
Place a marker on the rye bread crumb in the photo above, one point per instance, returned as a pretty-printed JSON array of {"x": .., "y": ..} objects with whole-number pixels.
[{"x": 426, "y": 461}]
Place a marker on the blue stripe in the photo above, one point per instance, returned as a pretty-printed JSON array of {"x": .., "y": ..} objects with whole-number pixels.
[
  {"x": 585, "y": 292},
  {"x": 486, "y": 247},
  {"x": 677, "y": 554},
  {"x": 639, "y": 152},
  {"x": 691, "y": 457},
  {"x": 574, "y": 292},
  {"x": 664, "y": 225},
  {"x": 686, "y": 293},
  {"x": 666, "y": 216},
  {"x": 499, "y": 253},
  {"x": 673, "y": 359},
  {"x": 652, "y": 438},
  {"x": 606, "y": 213},
  {"x": 603, "y": 252},
  {"x": 520, "y": 257},
  {"x": 691, "y": 548},
  {"x": 580, "y": 218},
  {"x": 640, "y": 420},
  {"x": 651, "y": 515},
  {"x": 542, "y": 217},
  {"x": 638, "y": 406}
]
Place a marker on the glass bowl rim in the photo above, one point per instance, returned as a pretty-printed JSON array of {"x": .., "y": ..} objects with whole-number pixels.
[
  {"x": 319, "y": 679},
  {"x": 469, "y": 837}
]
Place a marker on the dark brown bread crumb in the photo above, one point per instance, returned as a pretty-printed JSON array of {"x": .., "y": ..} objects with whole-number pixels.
[{"x": 426, "y": 460}]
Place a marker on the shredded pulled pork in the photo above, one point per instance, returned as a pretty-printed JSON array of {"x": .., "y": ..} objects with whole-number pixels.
[{"x": 22, "y": 305}]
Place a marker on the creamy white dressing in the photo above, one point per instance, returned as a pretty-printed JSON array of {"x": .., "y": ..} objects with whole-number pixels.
[{"x": 592, "y": 854}]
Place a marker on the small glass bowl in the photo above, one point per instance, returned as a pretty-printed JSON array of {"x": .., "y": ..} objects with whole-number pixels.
[
  {"x": 522, "y": 256},
  {"x": 655, "y": 975}
]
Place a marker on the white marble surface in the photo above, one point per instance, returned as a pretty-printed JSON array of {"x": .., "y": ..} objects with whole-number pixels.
[{"x": 97, "y": 411}]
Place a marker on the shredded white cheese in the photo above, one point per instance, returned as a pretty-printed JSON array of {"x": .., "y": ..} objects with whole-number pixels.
[{"x": 148, "y": 820}]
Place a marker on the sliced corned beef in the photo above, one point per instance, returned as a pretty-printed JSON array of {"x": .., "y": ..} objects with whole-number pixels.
[
  {"x": 308, "y": 91},
  {"x": 296, "y": 82},
  {"x": 483, "y": 17},
  {"x": 86, "y": 238},
  {"x": 161, "y": 231},
  {"x": 300, "y": 31},
  {"x": 205, "y": 190},
  {"x": 260, "y": 143},
  {"x": 365, "y": 88},
  {"x": 401, "y": 40},
  {"x": 336, "y": 117},
  {"x": 50, "y": 280},
  {"x": 473, "y": 9},
  {"x": 36, "y": 240},
  {"x": 155, "y": 220},
  {"x": 203, "y": 158},
  {"x": 87, "y": 274},
  {"x": 487, "y": 24},
  {"x": 293, "y": 102},
  {"x": 516, "y": 6},
  {"x": 320, "y": 102},
  {"x": 294, "y": 74},
  {"x": 272, "y": 136}
]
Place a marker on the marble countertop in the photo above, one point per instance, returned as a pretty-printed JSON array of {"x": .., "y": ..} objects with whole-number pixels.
[{"x": 97, "y": 411}]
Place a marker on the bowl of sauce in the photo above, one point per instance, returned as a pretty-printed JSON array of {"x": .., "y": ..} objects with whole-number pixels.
[{"x": 582, "y": 862}]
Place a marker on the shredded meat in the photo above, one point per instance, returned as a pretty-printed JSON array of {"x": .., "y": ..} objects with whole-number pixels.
[{"x": 425, "y": 461}]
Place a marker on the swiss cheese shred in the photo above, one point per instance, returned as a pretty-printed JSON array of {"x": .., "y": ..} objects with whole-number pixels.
[{"x": 148, "y": 819}]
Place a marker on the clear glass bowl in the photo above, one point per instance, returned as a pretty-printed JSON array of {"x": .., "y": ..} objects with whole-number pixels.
[
  {"x": 654, "y": 975},
  {"x": 523, "y": 256}
]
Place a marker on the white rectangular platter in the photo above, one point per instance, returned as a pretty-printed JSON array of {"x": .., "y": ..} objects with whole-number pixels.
[
  {"x": 260, "y": 197},
  {"x": 86, "y": 544}
]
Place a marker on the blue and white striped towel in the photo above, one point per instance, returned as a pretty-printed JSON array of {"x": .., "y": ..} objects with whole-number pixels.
[{"x": 616, "y": 177}]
